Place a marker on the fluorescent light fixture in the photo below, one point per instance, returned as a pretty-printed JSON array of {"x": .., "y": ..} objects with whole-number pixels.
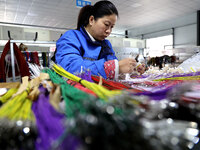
[
  {"x": 32, "y": 14},
  {"x": 135, "y": 5}
]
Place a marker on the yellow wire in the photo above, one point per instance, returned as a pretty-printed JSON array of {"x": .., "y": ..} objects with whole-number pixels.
[
  {"x": 180, "y": 78},
  {"x": 7, "y": 108},
  {"x": 8, "y": 95},
  {"x": 98, "y": 89},
  {"x": 19, "y": 107}
]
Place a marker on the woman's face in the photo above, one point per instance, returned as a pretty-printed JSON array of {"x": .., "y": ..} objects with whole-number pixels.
[{"x": 102, "y": 27}]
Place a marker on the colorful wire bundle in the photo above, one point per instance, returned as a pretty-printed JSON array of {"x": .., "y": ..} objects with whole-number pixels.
[
  {"x": 111, "y": 85},
  {"x": 18, "y": 108},
  {"x": 73, "y": 97},
  {"x": 49, "y": 122},
  {"x": 98, "y": 89}
]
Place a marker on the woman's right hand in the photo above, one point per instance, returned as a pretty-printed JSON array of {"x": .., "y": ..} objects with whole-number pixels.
[{"x": 127, "y": 65}]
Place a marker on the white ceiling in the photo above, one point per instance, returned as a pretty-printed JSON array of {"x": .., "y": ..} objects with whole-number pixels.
[{"x": 63, "y": 13}]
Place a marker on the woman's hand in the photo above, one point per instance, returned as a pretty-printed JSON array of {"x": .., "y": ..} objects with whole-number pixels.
[
  {"x": 141, "y": 68},
  {"x": 127, "y": 65}
]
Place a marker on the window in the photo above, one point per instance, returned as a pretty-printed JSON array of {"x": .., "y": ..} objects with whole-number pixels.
[
  {"x": 159, "y": 46},
  {"x": 160, "y": 43}
]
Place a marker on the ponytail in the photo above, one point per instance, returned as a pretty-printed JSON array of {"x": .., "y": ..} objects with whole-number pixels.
[{"x": 84, "y": 15}]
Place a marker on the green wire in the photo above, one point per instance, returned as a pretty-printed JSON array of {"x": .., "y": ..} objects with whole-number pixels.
[
  {"x": 100, "y": 91},
  {"x": 73, "y": 97}
]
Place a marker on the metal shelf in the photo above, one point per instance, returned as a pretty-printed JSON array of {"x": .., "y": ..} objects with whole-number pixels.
[{"x": 25, "y": 42}]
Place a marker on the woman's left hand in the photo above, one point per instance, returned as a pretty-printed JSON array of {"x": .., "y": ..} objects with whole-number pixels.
[{"x": 141, "y": 68}]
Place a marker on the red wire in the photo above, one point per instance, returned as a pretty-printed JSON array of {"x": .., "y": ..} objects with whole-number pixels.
[{"x": 111, "y": 85}]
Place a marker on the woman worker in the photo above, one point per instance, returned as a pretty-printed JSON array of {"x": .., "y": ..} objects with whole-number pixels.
[{"x": 87, "y": 47}]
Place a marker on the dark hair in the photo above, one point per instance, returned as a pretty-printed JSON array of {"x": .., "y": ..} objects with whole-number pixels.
[
  {"x": 100, "y": 9},
  {"x": 23, "y": 47}
]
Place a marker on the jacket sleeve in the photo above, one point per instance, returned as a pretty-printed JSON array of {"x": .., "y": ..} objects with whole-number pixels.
[{"x": 69, "y": 56}]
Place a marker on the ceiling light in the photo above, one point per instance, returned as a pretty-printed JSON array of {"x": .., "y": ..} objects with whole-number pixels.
[
  {"x": 32, "y": 14},
  {"x": 135, "y": 5}
]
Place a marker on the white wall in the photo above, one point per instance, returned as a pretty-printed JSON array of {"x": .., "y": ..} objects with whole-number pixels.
[
  {"x": 126, "y": 42},
  {"x": 184, "y": 28},
  {"x": 16, "y": 33},
  {"x": 1, "y": 32},
  {"x": 55, "y": 35},
  {"x": 186, "y": 35},
  {"x": 43, "y": 35},
  {"x": 28, "y": 33}
]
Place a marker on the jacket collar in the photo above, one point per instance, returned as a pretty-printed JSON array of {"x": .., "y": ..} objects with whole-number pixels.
[
  {"x": 105, "y": 49},
  {"x": 91, "y": 37},
  {"x": 86, "y": 35}
]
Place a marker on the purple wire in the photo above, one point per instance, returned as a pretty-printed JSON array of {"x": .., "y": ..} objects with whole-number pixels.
[{"x": 50, "y": 124}]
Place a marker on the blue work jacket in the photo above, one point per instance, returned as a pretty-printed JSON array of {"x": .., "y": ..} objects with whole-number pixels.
[{"x": 76, "y": 49}]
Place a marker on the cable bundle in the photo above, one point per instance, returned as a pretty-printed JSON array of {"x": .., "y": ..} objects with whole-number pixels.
[
  {"x": 98, "y": 89},
  {"x": 110, "y": 125},
  {"x": 17, "y": 121},
  {"x": 50, "y": 123},
  {"x": 98, "y": 124},
  {"x": 8, "y": 95},
  {"x": 18, "y": 108},
  {"x": 70, "y": 94},
  {"x": 111, "y": 85},
  {"x": 107, "y": 127}
]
